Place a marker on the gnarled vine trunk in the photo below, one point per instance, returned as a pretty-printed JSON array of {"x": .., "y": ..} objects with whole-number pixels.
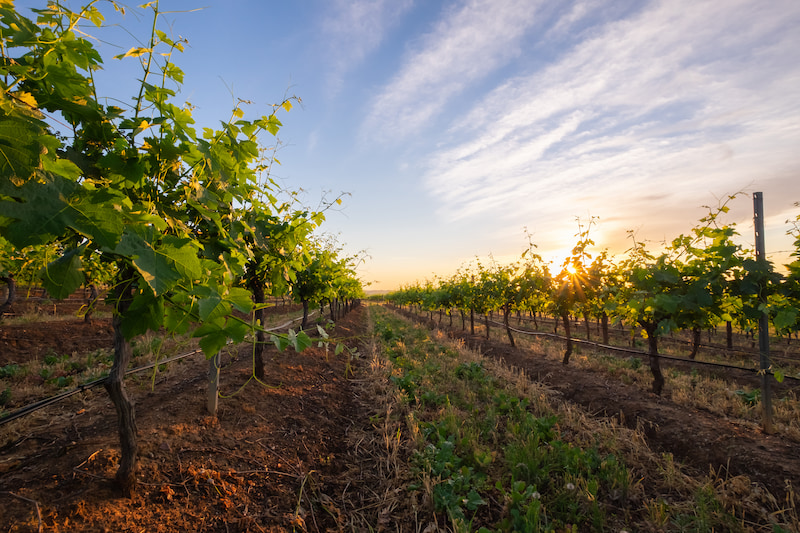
[
  {"x": 695, "y": 342},
  {"x": 12, "y": 293},
  {"x": 304, "y": 323},
  {"x": 471, "y": 321},
  {"x": 655, "y": 361},
  {"x": 93, "y": 297},
  {"x": 125, "y": 479},
  {"x": 506, "y": 312},
  {"x": 604, "y": 327},
  {"x": 568, "y": 351},
  {"x": 729, "y": 335}
]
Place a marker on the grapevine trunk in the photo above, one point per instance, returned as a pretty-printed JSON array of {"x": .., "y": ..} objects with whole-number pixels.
[
  {"x": 655, "y": 361},
  {"x": 506, "y": 312},
  {"x": 261, "y": 337},
  {"x": 115, "y": 386},
  {"x": 568, "y": 335},
  {"x": 12, "y": 292}
]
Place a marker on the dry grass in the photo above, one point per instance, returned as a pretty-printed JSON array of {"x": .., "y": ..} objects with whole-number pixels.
[{"x": 379, "y": 449}]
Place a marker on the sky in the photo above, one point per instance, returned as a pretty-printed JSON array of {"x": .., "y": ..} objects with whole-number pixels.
[{"x": 459, "y": 128}]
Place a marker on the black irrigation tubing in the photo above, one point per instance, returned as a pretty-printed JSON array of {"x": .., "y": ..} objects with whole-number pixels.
[
  {"x": 634, "y": 352},
  {"x": 30, "y": 408},
  {"x": 789, "y": 357}
]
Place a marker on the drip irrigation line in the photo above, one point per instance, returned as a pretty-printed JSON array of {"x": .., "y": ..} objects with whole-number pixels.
[
  {"x": 616, "y": 331},
  {"x": 632, "y": 351},
  {"x": 30, "y": 408}
]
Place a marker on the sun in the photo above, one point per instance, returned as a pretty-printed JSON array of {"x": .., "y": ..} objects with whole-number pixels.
[{"x": 570, "y": 268}]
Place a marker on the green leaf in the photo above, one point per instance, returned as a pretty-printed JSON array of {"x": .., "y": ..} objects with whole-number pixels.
[
  {"x": 301, "y": 341},
  {"x": 281, "y": 342},
  {"x": 237, "y": 330},
  {"x": 213, "y": 342},
  {"x": 176, "y": 320},
  {"x": 62, "y": 167},
  {"x": 240, "y": 299},
  {"x": 19, "y": 149},
  {"x": 212, "y": 308},
  {"x": 146, "y": 313},
  {"x": 63, "y": 276},
  {"x": 47, "y": 209},
  {"x": 163, "y": 264},
  {"x": 785, "y": 318},
  {"x": 210, "y": 326}
]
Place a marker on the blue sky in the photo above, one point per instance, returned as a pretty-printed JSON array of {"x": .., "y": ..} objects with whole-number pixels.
[{"x": 454, "y": 125}]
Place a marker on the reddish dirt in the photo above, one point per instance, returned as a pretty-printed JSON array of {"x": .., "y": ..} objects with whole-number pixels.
[
  {"x": 24, "y": 342},
  {"x": 698, "y": 438},
  {"x": 283, "y": 456}
]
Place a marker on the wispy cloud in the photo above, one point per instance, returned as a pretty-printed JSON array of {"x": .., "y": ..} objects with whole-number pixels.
[
  {"x": 468, "y": 43},
  {"x": 355, "y": 28},
  {"x": 678, "y": 98}
]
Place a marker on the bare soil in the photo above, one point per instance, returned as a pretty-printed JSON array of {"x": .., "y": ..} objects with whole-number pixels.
[{"x": 282, "y": 456}]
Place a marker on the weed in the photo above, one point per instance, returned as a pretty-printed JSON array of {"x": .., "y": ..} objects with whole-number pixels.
[
  {"x": 658, "y": 512},
  {"x": 456, "y": 489},
  {"x": 750, "y": 398},
  {"x": 77, "y": 367},
  {"x": 10, "y": 371},
  {"x": 431, "y": 398},
  {"x": 707, "y": 514},
  {"x": 5, "y": 397},
  {"x": 473, "y": 371},
  {"x": 388, "y": 335},
  {"x": 406, "y": 383},
  {"x": 62, "y": 381},
  {"x": 524, "y": 507}
]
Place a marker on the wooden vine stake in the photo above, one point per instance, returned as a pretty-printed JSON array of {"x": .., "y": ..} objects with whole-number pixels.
[
  {"x": 213, "y": 385},
  {"x": 763, "y": 322}
]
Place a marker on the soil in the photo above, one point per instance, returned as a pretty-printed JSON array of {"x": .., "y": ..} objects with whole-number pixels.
[
  {"x": 297, "y": 453},
  {"x": 279, "y": 456}
]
